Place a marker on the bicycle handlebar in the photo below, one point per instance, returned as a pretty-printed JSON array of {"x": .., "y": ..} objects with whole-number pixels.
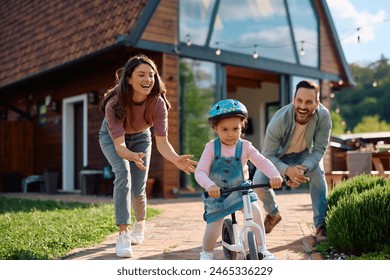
[{"x": 242, "y": 188}]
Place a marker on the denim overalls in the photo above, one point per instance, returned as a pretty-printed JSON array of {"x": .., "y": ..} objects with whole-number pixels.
[{"x": 225, "y": 172}]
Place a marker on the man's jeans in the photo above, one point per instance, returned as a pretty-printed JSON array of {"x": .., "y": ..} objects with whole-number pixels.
[{"x": 317, "y": 184}]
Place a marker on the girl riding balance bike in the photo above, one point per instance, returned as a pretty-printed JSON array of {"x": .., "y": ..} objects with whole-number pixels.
[{"x": 223, "y": 164}]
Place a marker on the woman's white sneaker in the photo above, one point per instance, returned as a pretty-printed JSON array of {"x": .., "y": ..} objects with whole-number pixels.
[
  {"x": 123, "y": 245},
  {"x": 138, "y": 233}
]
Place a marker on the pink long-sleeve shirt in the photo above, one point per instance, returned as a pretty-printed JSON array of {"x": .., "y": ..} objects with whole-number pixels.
[{"x": 249, "y": 152}]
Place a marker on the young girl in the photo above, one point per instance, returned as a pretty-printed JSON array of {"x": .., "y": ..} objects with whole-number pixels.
[{"x": 224, "y": 164}]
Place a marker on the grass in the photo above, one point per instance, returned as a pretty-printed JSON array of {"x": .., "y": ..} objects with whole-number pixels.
[{"x": 46, "y": 229}]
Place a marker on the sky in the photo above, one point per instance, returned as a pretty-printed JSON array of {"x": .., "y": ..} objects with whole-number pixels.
[{"x": 367, "y": 19}]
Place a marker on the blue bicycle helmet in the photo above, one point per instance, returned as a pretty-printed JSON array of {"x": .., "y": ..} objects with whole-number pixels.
[{"x": 227, "y": 107}]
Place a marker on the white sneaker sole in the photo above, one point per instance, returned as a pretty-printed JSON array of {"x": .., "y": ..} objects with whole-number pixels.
[
  {"x": 128, "y": 254},
  {"x": 136, "y": 241}
]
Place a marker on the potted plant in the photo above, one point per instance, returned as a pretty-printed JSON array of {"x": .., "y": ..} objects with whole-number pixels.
[{"x": 50, "y": 177}]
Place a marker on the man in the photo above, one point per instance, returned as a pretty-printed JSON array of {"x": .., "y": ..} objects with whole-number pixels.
[{"x": 296, "y": 140}]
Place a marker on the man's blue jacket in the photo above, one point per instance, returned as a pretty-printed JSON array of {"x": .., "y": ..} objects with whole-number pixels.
[{"x": 280, "y": 130}]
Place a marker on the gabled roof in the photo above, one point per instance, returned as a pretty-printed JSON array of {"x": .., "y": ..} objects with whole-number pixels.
[{"x": 39, "y": 35}]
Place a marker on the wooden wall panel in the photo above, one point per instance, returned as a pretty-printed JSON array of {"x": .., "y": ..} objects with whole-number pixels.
[
  {"x": 16, "y": 149},
  {"x": 330, "y": 62},
  {"x": 171, "y": 173},
  {"x": 163, "y": 25}
]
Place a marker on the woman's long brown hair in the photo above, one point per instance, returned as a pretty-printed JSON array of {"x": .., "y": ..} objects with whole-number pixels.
[{"x": 124, "y": 91}]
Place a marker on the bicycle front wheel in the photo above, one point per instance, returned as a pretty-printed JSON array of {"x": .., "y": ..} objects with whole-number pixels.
[
  {"x": 228, "y": 237},
  {"x": 252, "y": 246}
]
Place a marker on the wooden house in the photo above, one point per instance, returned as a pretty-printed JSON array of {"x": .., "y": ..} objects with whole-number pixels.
[{"x": 57, "y": 59}]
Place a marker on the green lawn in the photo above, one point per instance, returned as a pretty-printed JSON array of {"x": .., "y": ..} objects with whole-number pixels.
[{"x": 46, "y": 229}]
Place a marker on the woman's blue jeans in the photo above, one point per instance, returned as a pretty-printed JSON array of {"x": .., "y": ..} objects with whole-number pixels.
[
  {"x": 130, "y": 181},
  {"x": 317, "y": 185}
]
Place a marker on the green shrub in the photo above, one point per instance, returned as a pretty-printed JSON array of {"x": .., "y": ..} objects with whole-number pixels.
[
  {"x": 357, "y": 184},
  {"x": 383, "y": 254},
  {"x": 360, "y": 222}
]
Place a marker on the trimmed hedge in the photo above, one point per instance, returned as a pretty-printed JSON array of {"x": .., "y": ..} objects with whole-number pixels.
[
  {"x": 358, "y": 217},
  {"x": 357, "y": 184}
]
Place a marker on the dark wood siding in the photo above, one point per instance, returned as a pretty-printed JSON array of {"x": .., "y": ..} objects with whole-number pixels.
[
  {"x": 163, "y": 26},
  {"x": 328, "y": 51},
  {"x": 16, "y": 150}
]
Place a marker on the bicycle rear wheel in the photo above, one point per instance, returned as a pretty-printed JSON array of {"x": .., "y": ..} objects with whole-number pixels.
[
  {"x": 228, "y": 237},
  {"x": 252, "y": 245}
]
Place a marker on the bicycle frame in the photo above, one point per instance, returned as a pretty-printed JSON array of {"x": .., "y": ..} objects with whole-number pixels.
[
  {"x": 239, "y": 244},
  {"x": 239, "y": 236}
]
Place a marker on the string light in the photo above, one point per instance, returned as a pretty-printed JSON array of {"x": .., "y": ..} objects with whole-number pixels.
[
  {"x": 218, "y": 50},
  {"x": 356, "y": 30},
  {"x": 358, "y": 36},
  {"x": 188, "y": 41},
  {"x": 255, "y": 54},
  {"x": 302, "y": 51}
]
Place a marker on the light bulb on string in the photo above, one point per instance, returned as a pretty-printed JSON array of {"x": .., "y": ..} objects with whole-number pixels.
[
  {"x": 358, "y": 36},
  {"x": 188, "y": 40},
  {"x": 302, "y": 51},
  {"x": 218, "y": 50},
  {"x": 255, "y": 54}
]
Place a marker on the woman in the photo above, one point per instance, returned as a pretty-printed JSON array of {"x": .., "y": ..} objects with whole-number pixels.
[{"x": 136, "y": 103}]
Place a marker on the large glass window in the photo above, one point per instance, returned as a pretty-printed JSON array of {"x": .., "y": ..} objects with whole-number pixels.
[
  {"x": 195, "y": 17},
  {"x": 197, "y": 95},
  {"x": 268, "y": 27},
  {"x": 259, "y": 26},
  {"x": 305, "y": 27}
]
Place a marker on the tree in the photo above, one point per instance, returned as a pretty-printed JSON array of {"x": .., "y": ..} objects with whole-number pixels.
[
  {"x": 195, "y": 101},
  {"x": 338, "y": 124},
  {"x": 369, "y": 97},
  {"x": 371, "y": 124}
]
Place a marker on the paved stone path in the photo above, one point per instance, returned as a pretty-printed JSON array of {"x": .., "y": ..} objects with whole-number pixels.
[{"x": 176, "y": 234}]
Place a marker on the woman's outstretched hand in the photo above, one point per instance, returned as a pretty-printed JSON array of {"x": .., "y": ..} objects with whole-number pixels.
[{"x": 186, "y": 164}]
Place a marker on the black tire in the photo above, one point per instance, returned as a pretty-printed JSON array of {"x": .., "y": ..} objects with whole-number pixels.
[
  {"x": 252, "y": 245},
  {"x": 228, "y": 237}
]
